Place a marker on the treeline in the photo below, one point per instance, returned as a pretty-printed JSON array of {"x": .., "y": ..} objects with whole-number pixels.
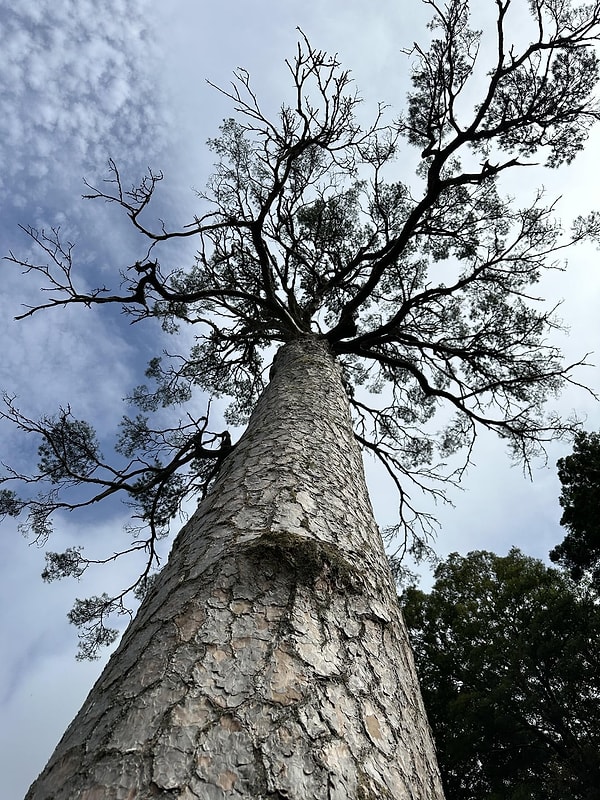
[{"x": 507, "y": 652}]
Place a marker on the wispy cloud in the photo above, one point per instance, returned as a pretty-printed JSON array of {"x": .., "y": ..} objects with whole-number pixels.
[{"x": 79, "y": 80}]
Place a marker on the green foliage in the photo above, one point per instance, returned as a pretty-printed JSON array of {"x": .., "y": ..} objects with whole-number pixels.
[
  {"x": 579, "y": 474},
  {"x": 159, "y": 502},
  {"x": 89, "y": 616},
  {"x": 10, "y": 505},
  {"x": 168, "y": 391},
  {"x": 423, "y": 288},
  {"x": 70, "y": 450},
  {"x": 506, "y": 652},
  {"x": 535, "y": 94},
  {"x": 162, "y": 468},
  {"x": 63, "y": 565}
]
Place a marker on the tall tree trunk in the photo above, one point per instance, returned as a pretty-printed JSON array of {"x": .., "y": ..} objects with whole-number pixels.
[{"x": 270, "y": 659}]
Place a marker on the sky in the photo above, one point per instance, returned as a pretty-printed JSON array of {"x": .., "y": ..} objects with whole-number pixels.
[{"x": 82, "y": 81}]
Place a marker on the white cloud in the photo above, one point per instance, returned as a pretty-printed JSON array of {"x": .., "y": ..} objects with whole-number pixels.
[
  {"x": 73, "y": 89},
  {"x": 72, "y": 94}
]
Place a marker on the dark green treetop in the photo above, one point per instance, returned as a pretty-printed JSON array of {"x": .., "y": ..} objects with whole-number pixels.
[
  {"x": 506, "y": 652},
  {"x": 579, "y": 474},
  {"x": 423, "y": 289}
]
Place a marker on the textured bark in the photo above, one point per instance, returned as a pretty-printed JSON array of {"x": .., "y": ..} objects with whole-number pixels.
[{"x": 270, "y": 659}]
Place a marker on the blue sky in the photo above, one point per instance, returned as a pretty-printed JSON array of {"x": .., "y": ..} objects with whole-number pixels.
[{"x": 84, "y": 81}]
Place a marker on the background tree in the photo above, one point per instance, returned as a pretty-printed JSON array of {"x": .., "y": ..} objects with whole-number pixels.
[
  {"x": 579, "y": 474},
  {"x": 506, "y": 656}
]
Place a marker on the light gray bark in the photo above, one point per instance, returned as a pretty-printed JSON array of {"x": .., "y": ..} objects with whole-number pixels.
[{"x": 270, "y": 660}]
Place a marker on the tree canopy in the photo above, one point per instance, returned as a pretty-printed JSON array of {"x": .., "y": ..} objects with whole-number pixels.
[
  {"x": 506, "y": 652},
  {"x": 579, "y": 474},
  {"x": 423, "y": 287}
]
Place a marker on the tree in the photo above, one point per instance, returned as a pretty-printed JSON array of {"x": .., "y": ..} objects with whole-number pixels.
[
  {"x": 506, "y": 656},
  {"x": 422, "y": 297},
  {"x": 579, "y": 474},
  {"x": 268, "y": 658}
]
